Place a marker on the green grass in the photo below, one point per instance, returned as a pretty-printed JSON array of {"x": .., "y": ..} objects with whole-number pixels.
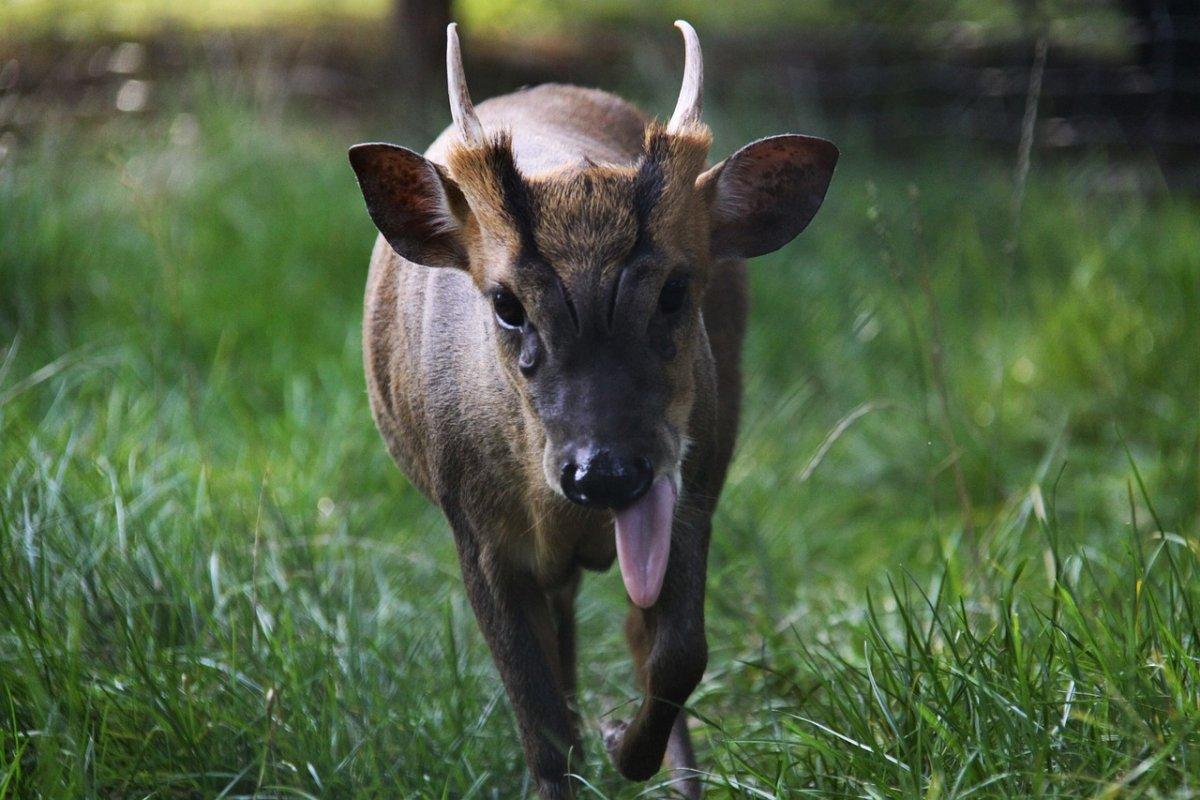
[{"x": 213, "y": 583}]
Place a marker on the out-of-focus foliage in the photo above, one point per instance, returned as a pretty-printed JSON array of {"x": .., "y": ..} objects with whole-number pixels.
[
  {"x": 1088, "y": 23},
  {"x": 1098, "y": 25},
  {"x": 79, "y": 18}
]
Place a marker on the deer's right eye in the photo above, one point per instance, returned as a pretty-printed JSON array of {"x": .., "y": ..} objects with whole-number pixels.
[
  {"x": 673, "y": 295},
  {"x": 509, "y": 311}
]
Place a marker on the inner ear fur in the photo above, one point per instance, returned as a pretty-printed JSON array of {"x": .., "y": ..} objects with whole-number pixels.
[
  {"x": 765, "y": 194},
  {"x": 417, "y": 207}
]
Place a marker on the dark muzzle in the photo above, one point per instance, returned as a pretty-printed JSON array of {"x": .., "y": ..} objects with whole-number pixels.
[{"x": 600, "y": 479}]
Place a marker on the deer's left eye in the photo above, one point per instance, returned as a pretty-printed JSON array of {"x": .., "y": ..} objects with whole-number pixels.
[
  {"x": 509, "y": 311},
  {"x": 673, "y": 295}
]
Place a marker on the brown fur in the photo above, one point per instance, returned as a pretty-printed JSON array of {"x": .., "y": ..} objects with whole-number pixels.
[{"x": 571, "y": 188}]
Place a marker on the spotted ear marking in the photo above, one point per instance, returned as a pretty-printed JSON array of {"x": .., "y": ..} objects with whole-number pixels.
[
  {"x": 413, "y": 203},
  {"x": 765, "y": 194}
]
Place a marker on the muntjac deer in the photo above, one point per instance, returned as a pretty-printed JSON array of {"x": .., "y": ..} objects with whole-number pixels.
[{"x": 552, "y": 334}]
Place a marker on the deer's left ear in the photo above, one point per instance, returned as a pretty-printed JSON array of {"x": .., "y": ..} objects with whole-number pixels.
[
  {"x": 413, "y": 203},
  {"x": 762, "y": 196}
]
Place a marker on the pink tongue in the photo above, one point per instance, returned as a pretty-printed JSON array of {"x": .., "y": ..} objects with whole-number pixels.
[{"x": 644, "y": 541}]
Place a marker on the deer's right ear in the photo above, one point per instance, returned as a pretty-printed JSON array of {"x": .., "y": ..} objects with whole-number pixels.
[
  {"x": 763, "y": 195},
  {"x": 413, "y": 203}
]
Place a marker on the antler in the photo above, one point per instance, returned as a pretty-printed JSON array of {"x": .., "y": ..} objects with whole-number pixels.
[
  {"x": 461, "y": 107},
  {"x": 687, "y": 108}
]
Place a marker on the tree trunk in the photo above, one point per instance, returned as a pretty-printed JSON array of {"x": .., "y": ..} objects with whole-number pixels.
[{"x": 419, "y": 44}]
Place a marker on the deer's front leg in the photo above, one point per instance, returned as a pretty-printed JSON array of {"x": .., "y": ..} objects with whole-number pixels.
[
  {"x": 562, "y": 606},
  {"x": 671, "y": 653},
  {"x": 515, "y": 619}
]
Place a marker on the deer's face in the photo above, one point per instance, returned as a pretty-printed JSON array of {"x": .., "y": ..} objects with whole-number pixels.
[{"x": 593, "y": 278}]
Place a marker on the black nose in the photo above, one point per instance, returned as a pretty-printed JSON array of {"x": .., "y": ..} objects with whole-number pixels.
[{"x": 603, "y": 480}]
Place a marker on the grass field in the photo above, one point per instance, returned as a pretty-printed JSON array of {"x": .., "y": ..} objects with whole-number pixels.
[{"x": 213, "y": 583}]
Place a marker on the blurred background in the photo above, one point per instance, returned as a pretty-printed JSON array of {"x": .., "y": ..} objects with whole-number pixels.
[
  {"x": 214, "y": 583},
  {"x": 1116, "y": 73}
]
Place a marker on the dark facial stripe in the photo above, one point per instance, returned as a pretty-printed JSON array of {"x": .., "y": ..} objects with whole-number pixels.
[
  {"x": 648, "y": 189},
  {"x": 566, "y": 297},
  {"x": 515, "y": 194}
]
